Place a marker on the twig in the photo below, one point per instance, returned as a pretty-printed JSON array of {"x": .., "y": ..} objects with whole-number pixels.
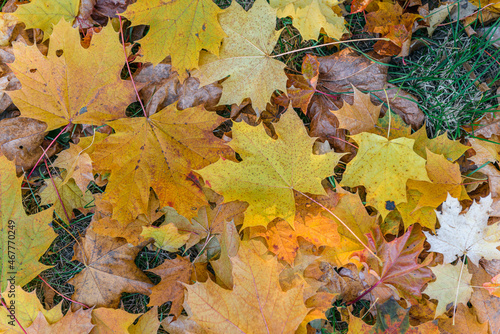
[{"x": 60, "y": 294}]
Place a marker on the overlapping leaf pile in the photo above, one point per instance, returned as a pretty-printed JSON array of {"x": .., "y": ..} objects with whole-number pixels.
[{"x": 268, "y": 228}]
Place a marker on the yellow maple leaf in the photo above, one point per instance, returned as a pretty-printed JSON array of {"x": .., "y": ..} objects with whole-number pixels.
[
  {"x": 445, "y": 179},
  {"x": 44, "y": 14},
  {"x": 360, "y": 116},
  {"x": 452, "y": 283},
  {"x": 309, "y": 16},
  {"x": 180, "y": 28},
  {"x": 451, "y": 149},
  {"x": 251, "y": 307},
  {"x": 271, "y": 170},
  {"x": 244, "y": 57},
  {"x": 72, "y": 84},
  {"x": 383, "y": 167},
  {"x": 161, "y": 151},
  {"x": 23, "y": 238},
  {"x": 167, "y": 236},
  {"x": 27, "y": 308}
]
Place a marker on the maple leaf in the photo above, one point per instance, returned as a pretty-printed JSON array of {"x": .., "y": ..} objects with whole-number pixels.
[
  {"x": 209, "y": 221},
  {"x": 72, "y": 84},
  {"x": 425, "y": 216},
  {"x": 391, "y": 318},
  {"x": 244, "y": 57},
  {"x": 255, "y": 305},
  {"x": 103, "y": 224},
  {"x": 310, "y": 16},
  {"x": 451, "y": 280},
  {"x": 465, "y": 234},
  {"x": 359, "y": 117},
  {"x": 383, "y": 167},
  {"x": 161, "y": 151},
  {"x": 390, "y": 21},
  {"x": 451, "y": 149},
  {"x": 109, "y": 321},
  {"x": 180, "y": 28},
  {"x": 463, "y": 321},
  {"x": 282, "y": 240},
  {"x": 109, "y": 270},
  {"x": 173, "y": 273},
  {"x": 27, "y": 308},
  {"x": 391, "y": 126},
  {"x": 67, "y": 198},
  {"x": 77, "y": 164},
  {"x": 399, "y": 268},
  {"x": 75, "y": 322},
  {"x": 45, "y": 14},
  {"x": 353, "y": 213},
  {"x": 148, "y": 323},
  {"x": 486, "y": 306},
  {"x": 271, "y": 170},
  {"x": 167, "y": 237},
  {"x": 229, "y": 245},
  {"x": 23, "y": 238},
  {"x": 446, "y": 180}
]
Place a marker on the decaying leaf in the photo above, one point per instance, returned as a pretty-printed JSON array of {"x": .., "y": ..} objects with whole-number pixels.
[{"x": 109, "y": 270}]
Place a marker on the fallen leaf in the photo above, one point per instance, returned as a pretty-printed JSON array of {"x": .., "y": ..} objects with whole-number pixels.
[
  {"x": 181, "y": 325},
  {"x": 148, "y": 323},
  {"x": 161, "y": 152},
  {"x": 77, "y": 164},
  {"x": 75, "y": 322},
  {"x": 66, "y": 198},
  {"x": 493, "y": 287},
  {"x": 21, "y": 141},
  {"x": 178, "y": 28},
  {"x": 485, "y": 306},
  {"x": 452, "y": 283},
  {"x": 446, "y": 179},
  {"x": 244, "y": 56},
  {"x": 271, "y": 170},
  {"x": 310, "y": 16},
  {"x": 27, "y": 308},
  {"x": 24, "y": 238},
  {"x": 111, "y": 321},
  {"x": 451, "y": 149},
  {"x": 383, "y": 167},
  {"x": 465, "y": 234},
  {"x": 45, "y": 14},
  {"x": 391, "y": 318},
  {"x": 72, "y": 84},
  {"x": 109, "y": 271},
  {"x": 166, "y": 237},
  {"x": 462, "y": 322},
  {"x": 359, "y": 117},
  {"x": 400, "y": 274},
  {"x": 251, "y": 306}
]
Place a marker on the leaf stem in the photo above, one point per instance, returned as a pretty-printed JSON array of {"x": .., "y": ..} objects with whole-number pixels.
[
  {"x": 128, "y": 66},
  {"x": 57, "y": 191}
]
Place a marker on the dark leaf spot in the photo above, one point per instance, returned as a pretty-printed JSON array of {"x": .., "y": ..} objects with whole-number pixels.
[{"x": 390, "y": 205}]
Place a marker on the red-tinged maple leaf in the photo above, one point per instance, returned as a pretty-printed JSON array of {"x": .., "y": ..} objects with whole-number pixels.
[{"x": 399, "y": 273}]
